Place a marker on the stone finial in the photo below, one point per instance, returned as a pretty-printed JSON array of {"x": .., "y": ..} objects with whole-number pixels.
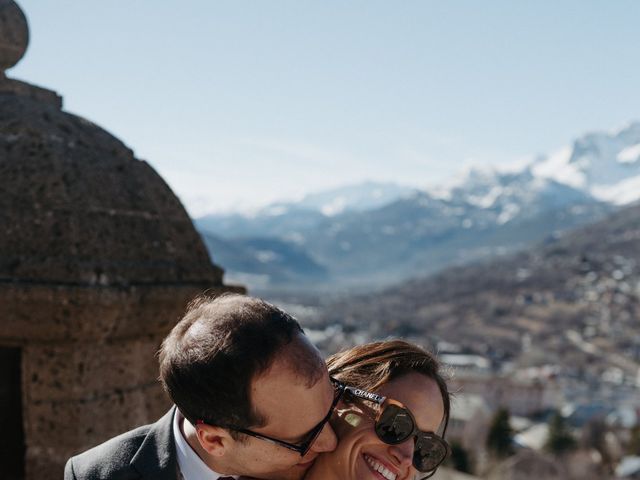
[
  {"x": 14, "y": 39},
  {"x": 14, "y": 34}
]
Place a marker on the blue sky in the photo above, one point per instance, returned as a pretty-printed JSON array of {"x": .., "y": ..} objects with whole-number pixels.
[{"x": 238, "y": 103}]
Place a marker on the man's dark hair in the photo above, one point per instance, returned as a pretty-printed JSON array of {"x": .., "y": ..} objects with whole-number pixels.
[{"x": 209, "y": 359}]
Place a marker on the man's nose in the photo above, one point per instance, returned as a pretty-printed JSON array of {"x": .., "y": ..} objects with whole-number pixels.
[{"x": 326, "y": 441}]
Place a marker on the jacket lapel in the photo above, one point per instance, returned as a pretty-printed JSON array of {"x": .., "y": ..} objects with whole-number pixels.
[{"x": 156, "y": 457}]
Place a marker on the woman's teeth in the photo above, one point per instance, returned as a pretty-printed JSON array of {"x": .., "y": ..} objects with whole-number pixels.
[{"x": 378, "y": 467}]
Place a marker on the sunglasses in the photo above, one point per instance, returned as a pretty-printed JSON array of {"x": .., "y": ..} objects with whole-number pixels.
[
  {"x": 395, "y": 424},
  {"x": 305, "y": 444}
]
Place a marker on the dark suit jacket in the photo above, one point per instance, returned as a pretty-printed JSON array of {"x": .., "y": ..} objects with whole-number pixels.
[{"x": 147, "y": 452}]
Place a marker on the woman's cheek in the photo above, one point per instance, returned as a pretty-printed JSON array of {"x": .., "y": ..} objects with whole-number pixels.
[{"x": 346, "y": 422}]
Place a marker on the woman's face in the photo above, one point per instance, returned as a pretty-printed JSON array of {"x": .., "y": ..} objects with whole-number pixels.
[{"x": 360, "y": 454}]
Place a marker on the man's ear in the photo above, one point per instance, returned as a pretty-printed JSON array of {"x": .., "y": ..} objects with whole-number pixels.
[{"x": 214, "y": 440}]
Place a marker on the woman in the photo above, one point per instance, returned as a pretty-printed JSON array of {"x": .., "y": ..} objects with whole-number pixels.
[{"x": 387, "y": 423}]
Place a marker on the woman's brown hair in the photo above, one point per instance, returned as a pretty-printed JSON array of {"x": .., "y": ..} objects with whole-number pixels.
[{"x": 371, "y": 365}]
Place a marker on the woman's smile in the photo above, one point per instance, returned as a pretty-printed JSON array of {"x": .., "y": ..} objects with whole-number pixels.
[{"x": 380, "y": 468}]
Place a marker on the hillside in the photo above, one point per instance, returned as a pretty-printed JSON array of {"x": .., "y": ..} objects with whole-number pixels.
[
  {"x": 267, "y": 259},
  {"x": 573, "y": 301}
]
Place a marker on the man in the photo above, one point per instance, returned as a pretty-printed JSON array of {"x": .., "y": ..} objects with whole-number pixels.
[{"x": 252, "y": 397}]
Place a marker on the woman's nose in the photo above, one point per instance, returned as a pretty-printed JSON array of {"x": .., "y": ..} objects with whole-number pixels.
[{"x": 403, "y": 452}]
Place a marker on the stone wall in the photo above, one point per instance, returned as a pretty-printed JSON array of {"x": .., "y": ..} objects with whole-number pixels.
[{"x": 89, "y": 369}]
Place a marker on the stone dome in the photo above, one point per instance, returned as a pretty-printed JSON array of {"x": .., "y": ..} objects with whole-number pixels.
[{"x": 79, "y": 209}]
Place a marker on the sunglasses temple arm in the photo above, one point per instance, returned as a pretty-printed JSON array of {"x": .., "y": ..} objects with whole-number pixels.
[{"x": 364, "y": 395}]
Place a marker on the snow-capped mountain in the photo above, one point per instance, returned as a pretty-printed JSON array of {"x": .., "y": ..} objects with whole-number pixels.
[
  {"x": 506, "y": 195},
  {"x": 285, "y": 219},
  {"x": 364, "y": 196},
  {"x": 378, "y": 233},
  {"x": 602, "y": 165},
  {"x": 489, "y": 213},
  {"x": 607, "y": 165}
]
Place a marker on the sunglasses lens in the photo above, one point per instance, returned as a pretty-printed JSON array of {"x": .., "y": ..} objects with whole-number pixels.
[
  {"x": 429, "y": 452},
  {"x": 395, "y": 425}
]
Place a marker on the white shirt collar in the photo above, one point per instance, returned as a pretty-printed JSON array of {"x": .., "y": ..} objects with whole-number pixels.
[{"x": 191, "y": 465}]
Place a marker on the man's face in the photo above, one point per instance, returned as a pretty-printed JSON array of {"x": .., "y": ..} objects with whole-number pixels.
[{"x": 292, "y": 409}]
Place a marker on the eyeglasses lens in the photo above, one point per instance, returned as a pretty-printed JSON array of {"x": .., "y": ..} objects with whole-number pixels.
[
  {"x": 395, "y": 425},
  {"x": 428, "y": 454}
]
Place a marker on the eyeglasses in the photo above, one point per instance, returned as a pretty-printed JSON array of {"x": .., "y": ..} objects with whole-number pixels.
[
  {"x": 394, "y": 424},
  {"x": 304, "y": 445}
]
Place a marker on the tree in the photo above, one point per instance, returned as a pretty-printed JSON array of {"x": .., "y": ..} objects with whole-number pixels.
[
  {"x": 594, "y": 436},
  {"x": 560, "y": 440},
  {"x": 634, "y": 442},
  {"x": 500, "y": 437}
]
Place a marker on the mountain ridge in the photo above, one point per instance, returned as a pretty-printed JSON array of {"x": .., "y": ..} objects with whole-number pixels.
[{"x": 487, "y": 211}]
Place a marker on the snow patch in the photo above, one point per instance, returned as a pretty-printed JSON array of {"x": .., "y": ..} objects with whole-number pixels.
[
  {"x": 334, "y": 207},
  {"x": 558, "y": 167},
  {"x": 266, "y": 256},
  {"x": 620, "y": 193},
  {"x": 295, "y": 237},
  {"x": 509, "y": 211},
  {"x": 443, "y": 193},
  {"x": 275, "y": 210},
  {"x": 629, "y": 154},
  {"x": 487, "y": 200}
]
